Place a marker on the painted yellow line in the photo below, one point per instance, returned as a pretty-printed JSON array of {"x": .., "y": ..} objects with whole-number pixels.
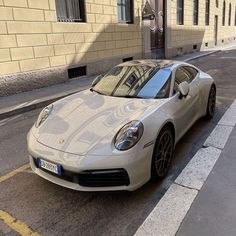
[
  {"x": 17, "y": 225},
  {"x": 14, "y": 172}
]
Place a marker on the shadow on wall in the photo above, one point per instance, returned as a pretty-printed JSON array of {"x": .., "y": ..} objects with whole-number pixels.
[
  {"x": 113, "y": 44},
  {"x": 98, "y": 54}
]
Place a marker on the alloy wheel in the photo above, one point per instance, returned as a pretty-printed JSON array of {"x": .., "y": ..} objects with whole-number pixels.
[
  {"x": 164, "y": 153},
  {"x": 212, "y": 101}
]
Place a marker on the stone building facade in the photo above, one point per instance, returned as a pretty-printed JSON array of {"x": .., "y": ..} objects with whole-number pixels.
[
  {"x": 43, "y": 42},
  {"x": 215, "y": 27}
]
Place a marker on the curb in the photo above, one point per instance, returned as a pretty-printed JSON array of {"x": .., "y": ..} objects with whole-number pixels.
[{"x": 203, "y": 55}]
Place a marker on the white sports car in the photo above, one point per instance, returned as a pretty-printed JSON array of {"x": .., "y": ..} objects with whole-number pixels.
[{"x": 122, "y": 132}]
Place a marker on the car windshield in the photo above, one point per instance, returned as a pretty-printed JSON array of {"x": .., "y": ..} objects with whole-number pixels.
[{"x": 136, "y": 81}]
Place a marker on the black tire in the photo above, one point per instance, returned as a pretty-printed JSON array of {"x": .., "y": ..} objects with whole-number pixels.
[
  {"x": 211, "y": 103},
  {"x": 162, "y": 154}
]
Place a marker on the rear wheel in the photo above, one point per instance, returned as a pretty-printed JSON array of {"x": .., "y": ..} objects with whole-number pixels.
[
  {"x": 211, "y": 103},
  {"x": 163, "y": 154}
]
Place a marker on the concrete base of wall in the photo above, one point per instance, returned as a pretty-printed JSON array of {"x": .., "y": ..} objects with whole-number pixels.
[
  {"x": 186, "y": 49},
  {"x": 22, "y": 82}
]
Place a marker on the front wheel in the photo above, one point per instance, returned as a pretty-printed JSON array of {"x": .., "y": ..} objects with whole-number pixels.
[
  {"x": 211, "y": 103},
  {"x": 163, "y": 154}
]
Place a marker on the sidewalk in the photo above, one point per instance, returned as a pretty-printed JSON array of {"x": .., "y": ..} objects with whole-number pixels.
[
  {"x": 202, "y": 199},
  {"x": 214, "y": 210},
  {"x": 203, "y": 53},
  {"x": 23, "y": 102}
]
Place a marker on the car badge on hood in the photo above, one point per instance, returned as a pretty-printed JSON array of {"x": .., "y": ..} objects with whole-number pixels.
[{"x": 61, "y": 140}]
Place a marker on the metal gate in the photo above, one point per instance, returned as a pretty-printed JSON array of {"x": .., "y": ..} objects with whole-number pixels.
[{"x": 157, "y": 29}]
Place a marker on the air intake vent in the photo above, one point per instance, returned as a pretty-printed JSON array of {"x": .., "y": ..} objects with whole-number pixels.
[
  {"x": 127, "y": 59},
  {"x": 77, "y": 72}
]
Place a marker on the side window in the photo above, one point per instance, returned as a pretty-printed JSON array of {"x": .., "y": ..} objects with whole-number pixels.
[
  {"x": 192, "y": 72},
  {"x": 181, "y": 76}
]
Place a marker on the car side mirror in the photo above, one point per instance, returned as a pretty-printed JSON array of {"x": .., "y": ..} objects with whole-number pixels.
[
  {"x": 183, "y": 89},
  {"x": 96, "y": 80}
]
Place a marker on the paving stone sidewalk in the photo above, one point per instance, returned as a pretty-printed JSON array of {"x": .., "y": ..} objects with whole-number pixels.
[
  {"x": 23, "y": 102},
  {"x": 213, "y": 212}
]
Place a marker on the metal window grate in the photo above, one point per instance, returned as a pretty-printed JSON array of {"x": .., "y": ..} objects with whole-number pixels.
[
  {"x": 70, "y": 10},
  {"x": 77, "y": 72}
]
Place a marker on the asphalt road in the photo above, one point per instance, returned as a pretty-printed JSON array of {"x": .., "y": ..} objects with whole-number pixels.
[{"x": 53, "y": 210}]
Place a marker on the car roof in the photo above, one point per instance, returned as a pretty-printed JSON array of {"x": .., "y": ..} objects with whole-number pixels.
[{"x": 153, "y": 63}]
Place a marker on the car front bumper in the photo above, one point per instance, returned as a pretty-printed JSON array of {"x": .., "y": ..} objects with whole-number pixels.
[{"x": 110, "y": 173}]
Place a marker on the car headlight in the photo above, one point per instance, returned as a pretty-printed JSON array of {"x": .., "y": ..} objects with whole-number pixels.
[
  {"x": 129, "y": 135},
  {"x": 44, "y": 114}
]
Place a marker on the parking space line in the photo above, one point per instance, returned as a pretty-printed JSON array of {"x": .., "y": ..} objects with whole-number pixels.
[
  {"x": 14, "y": 172},
  {"x": 17, "y": 225}
]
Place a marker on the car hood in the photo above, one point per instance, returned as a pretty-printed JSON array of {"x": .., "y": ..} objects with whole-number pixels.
[{"x": 80, "y": 122}]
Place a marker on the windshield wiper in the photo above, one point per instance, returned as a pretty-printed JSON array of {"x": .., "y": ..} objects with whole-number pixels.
[{"x": 93, "y": 90}]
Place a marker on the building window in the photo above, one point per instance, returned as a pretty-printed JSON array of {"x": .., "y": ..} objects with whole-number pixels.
[
  {"x": 223, "y": 14},
  {"x": 217, "y": 3},
  {"x": 235, "y": 17},
  {"x": 207, "y": 12},
  {"x": 195, "y": 12},
  {"x": 70, "y": 10},
  {"x": 180, "y": 12},
  {"x": 125, "y": 11},
  {"x": 229, "y": 22}
]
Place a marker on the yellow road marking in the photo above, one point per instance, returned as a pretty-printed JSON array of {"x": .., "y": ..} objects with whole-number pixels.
[
  {"x": 17, "y": 225},
  {"x": 14, "y": 172}
]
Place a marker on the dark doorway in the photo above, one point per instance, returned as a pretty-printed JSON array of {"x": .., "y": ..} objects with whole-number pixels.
[
  {"x": 157, "y": 29},
  {"x": 216, "y": 29}
]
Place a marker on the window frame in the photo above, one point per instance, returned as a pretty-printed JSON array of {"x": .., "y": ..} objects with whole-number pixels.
[
  {"x": 66, "y": 8},
  {"x": 207, "y": 12},
  {"x": 195, "y": 12},
  {"x": 180, "y": 12},
  {"x": 131, "y": 12}
]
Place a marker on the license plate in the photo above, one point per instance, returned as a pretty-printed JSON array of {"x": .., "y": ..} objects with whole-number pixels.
[{"x": 49, "y": 166}]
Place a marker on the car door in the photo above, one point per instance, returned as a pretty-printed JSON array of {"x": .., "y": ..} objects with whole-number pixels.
[{"x": 185, "y": 108}]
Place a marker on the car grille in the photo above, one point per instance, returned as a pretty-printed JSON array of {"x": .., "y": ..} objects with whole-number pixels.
[{"x": 93, "y": 178}]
